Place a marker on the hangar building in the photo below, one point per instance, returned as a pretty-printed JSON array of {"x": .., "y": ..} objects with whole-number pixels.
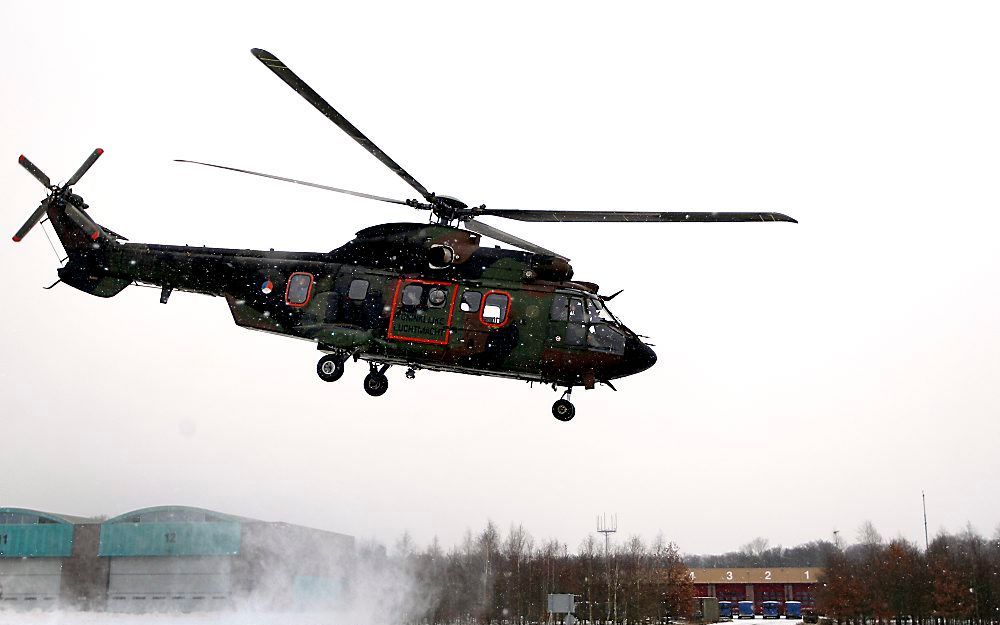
[
  {"x": 168, "y": 558},
  {"x": 33, "y": 547},
  {"x": 758, "y": 584}
]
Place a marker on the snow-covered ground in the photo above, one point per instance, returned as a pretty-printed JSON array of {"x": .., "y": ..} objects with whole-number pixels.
[{"x": 203, "y": 618}]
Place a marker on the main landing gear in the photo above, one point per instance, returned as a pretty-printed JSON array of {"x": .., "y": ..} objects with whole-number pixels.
[
  {"x": 563, "y": 409},
  {"x": 330, "y": 368},
  {"x": 376, "y": 384}
]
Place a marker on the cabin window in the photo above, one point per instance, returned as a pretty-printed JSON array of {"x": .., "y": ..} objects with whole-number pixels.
[
  {"x": 358, "y": 290},
  {"x": 560, "y": 306},
  {"x": 436, "y": 297},
  {"x": 471, "y": 301},
  {"x": 411, "y": 295},
  {"x": 495, "y": 308},
  {"x": 299, "y": 289}
]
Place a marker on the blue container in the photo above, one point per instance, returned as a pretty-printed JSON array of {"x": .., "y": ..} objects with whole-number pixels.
[
  {"x": 771, "y": 609},
  {"x": 746, "y": 609},
  {"x": 726, "y": 609},
  {"x": 793, "y": 609}
]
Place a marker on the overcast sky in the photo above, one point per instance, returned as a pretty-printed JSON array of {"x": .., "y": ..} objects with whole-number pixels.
[{"x": 819, "y": 374}]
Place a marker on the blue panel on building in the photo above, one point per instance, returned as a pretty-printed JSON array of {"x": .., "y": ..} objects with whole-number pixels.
[
  {"x": 217, "y": 538},
  {"x": 48, "y": 540}
]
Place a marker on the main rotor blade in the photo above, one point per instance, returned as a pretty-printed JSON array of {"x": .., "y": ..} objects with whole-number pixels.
[
  {"x": 34, "y": 171},
  {"x": 292, "y": 80},
  {"x": 33, "y": 219},
  {"x": 495, "y": 233},
  {"x": 87, "y": 164},
  {"x": 630, "y": 216},
  {"x": 302, "y": 182}
]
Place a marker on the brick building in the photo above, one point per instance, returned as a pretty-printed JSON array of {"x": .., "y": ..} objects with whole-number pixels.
[{"x": 758, "y": 584}]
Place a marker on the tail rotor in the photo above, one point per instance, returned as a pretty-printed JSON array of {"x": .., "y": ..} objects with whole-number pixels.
[{"x": 60, "y": 195}]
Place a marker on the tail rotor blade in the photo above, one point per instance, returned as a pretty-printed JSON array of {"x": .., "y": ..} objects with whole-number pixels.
[
  {"x": 87, "y": 164},
  {"x": 34, "y": 219},
  {"x": 34, "y": 171}
]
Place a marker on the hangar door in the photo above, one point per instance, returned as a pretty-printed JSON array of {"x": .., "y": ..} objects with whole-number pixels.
[
  {"x": 29, "y": 580},
  {"x": 169, "y": 583}
]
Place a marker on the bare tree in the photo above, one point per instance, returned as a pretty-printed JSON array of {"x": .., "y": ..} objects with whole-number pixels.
[{"x": 868, "y": 535}]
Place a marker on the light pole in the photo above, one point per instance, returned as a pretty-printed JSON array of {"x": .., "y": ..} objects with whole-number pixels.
[{"x": 975, "y": 599}]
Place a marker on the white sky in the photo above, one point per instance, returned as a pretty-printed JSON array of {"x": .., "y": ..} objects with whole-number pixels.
[{"x": 829, "y": 370}]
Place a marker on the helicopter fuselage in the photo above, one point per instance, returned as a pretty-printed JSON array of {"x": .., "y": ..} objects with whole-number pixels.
[{"x": 418, "y": 295}]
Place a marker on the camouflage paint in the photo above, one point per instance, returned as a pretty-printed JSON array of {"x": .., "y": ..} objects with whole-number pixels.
[{"x": 378, "y": 327}]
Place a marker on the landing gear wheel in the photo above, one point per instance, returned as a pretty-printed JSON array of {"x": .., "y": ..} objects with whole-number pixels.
[
  {"x": 330, "y": 368},
  {"x": 563, "y": 410},
  {"x": 376, "y": 384}
]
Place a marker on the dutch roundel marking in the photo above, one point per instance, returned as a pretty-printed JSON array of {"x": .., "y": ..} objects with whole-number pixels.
[{"x": 267, "y": 287}]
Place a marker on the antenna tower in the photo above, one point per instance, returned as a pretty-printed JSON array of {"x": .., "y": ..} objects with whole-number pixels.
[
  {"x": 608, "y": 526},
  {"x": 927, "y": 544}
]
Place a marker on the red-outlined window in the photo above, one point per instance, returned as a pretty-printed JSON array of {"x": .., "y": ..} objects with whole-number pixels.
[
  {"x": 299, "y": 289},
  {"x": 401, "y": 285},
  {"x": 491, "y": 301}
]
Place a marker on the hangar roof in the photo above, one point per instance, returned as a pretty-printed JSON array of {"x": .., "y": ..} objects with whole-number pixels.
[
  {"x": 22, "y": 516},
  {"x": 35, "y": 534},
  {"x": 176, "y": 514}
]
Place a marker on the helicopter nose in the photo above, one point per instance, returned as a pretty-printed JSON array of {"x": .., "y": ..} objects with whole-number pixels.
[{"x": 638, "y": 356}]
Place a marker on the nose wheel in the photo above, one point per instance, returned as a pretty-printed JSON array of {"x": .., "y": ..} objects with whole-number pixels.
[
  {"x": 376, "y": 384},
  {"x": 563, "y": 409},
  {"x": 330, "y": 367}
]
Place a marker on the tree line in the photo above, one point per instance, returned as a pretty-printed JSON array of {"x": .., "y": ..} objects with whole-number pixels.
[
  {"x": 505, "y": 577},
  {"x": 759, "y": 553},
  {"x": 502, "y": 578},
  {"x": 956, "y": 579}
]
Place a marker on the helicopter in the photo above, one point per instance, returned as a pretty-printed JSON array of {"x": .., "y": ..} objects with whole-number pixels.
[{"x": 414, "y": 295}]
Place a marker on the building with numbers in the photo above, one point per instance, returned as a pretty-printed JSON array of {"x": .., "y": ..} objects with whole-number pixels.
[
  {"x": 35, "y": 547},
  {"x": 758, "y": 584},
  {"x": 168, "y": 558}
]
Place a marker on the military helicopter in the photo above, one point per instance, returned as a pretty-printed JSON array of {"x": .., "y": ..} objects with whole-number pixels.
[{"x": 416, "y": 295}]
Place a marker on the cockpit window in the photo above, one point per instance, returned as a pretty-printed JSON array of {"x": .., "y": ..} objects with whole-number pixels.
[
  {"x": 597, "y": 312},
  {"x": 560, "y": 308},
  {"x": 606, "y": 338},
  {"x": 576, "y": 335},
  {"x": 471, "y": 301},
  {"x": 411, "y": 295}
]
